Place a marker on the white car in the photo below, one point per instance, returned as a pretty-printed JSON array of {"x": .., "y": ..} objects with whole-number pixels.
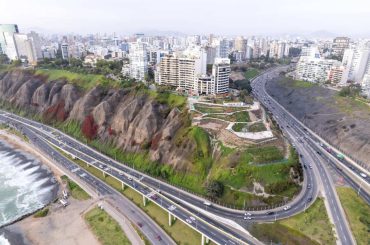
[
  {"x": 248, "y": 214},
  {"x": 172, "y": 207},
  {"x": 192, "y": 218},
  {"x": 363, "y": 175},
  {"x": 247, "y": 217},
  {"x": 286, "y": 208},
  {"x": 189, "y": 221}
]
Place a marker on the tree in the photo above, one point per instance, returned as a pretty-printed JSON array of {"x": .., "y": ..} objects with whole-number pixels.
[
  {"x": 215, "y": 189},
  {"x": 350, "y": 91},
  {"x": 16, "y": 62},
  {"x": 4, "y": 59}
]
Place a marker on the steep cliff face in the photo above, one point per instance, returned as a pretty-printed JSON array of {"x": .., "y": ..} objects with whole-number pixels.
[
  {"x": 134, "y": 121},
  {"x": 342, "y": 121}
]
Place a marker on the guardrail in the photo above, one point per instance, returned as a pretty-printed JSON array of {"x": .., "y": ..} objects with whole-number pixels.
[{"x": 138, "y": 191}]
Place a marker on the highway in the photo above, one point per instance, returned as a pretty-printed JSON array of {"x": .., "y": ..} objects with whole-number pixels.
[
  {"x": 312, "y": 146},
  {"x": 42, "y": 139},
  {"x": 188, "y": 205},
  {"x": 85, "y": 153}
]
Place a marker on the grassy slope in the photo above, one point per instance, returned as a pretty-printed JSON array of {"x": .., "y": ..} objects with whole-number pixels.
[
  {"x": 297, "y": 83},
  {"x": 251, "y": 73},
  {"x": 313, "y": 223},
  {"x": 357, "y": 212},
  {"x": 244, "y": 174},
  {"x": 105, "y": 228},
  {"x": 76, "y": 191},
  {"x": 310, "y": 227},
  {"x": 85, "y": 81}
]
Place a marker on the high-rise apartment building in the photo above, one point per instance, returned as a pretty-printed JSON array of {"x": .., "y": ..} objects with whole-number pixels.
[
  {"x": 138, "y": 61},
  {"x": 356, "y": 61},
  {"x": 340, "y": 44},
  {"x": 314, "y": 69},
  {"x": 221, "y": 74},
  {"x": 64, "y": 47},
  {"x": 186, "y": 73},
  {"x": 6, "y": 28}
]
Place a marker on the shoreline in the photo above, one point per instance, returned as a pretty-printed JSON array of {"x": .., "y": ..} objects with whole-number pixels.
[{"x": 57, "y": 226}]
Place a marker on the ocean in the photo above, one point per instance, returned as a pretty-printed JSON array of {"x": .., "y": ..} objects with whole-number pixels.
[{"x": 26, "y": 185}]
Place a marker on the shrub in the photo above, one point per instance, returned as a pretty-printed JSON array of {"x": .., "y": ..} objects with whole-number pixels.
[
  {"x": 215, "y": 189},
  {"x": 89, "y": 128}
]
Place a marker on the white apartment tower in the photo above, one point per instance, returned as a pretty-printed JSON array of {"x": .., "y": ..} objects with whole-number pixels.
[
  {"x": 138, "y": 61},
  {"x": 221, "y": 73},
  {"x": 356, "y": 61}
]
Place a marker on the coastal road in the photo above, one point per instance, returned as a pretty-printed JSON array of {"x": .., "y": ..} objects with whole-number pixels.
[
  {"x": 152, "y": 231},
  {"x": 193, "y": 204},
  {"x": 286, "y": 120},
  {"x": 186, "y": 200},
  {"x": 202, "y": 224}
]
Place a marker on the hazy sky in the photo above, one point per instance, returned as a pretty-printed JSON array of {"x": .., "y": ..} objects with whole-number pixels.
[{"x": 229, "y": 17}]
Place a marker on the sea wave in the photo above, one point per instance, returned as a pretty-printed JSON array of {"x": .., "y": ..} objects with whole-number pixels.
[{"x": 25, "y": 184}]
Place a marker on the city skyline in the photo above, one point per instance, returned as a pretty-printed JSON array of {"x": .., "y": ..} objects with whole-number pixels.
[{"x": 191, "y": 17}]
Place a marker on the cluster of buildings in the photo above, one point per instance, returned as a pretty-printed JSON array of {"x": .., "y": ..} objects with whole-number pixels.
[
  {"x": 19, "y": 46},
  {"x": 195, "y": 64},
  {"x": 341, "y": 62}
]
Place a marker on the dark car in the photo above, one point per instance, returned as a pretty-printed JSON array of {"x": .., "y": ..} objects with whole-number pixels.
[
  {"x": 309, "y": 199},
  {"x": 270, "y": 213},
  {"x": 159, "y": 238}
]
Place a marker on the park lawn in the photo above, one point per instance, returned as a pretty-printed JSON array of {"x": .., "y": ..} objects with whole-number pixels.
[
  {"x": 313, "y": 223},
  {"x": 238, "y": 127},
  {"x": 251, "y": 73},
  {"x": 357, "y": 212},
  {"x": 105, "y": 227},
  {"x": 76, "y": 191},
  {"x": 85, "y": 81},
  {"x": 209, "y": 109},
  {"x": 257, "y": 127},
  {"x": 241, "y": 116}
]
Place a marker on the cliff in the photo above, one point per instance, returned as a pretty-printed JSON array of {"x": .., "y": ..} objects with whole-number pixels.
[{"x": 132, "y": 119}]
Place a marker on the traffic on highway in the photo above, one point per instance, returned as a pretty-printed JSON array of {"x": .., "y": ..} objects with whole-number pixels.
[{"x": 195, "y": 211}]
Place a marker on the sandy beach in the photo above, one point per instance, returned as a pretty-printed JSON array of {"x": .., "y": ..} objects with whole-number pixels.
[{"x": 62, "y": 225}]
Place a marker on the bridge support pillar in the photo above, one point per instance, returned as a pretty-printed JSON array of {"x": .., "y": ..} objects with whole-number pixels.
[
  {"x": 144, "y": 200},
  {"x": 205, "y": 240},
  {"x": 123, "y": 186},
  {"x": 169, "y": 219},
  {"x": 103, "y": 174}
]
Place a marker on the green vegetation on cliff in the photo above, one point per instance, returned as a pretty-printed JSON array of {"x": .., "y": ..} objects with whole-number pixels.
[{"x": 85, "y": 81}]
